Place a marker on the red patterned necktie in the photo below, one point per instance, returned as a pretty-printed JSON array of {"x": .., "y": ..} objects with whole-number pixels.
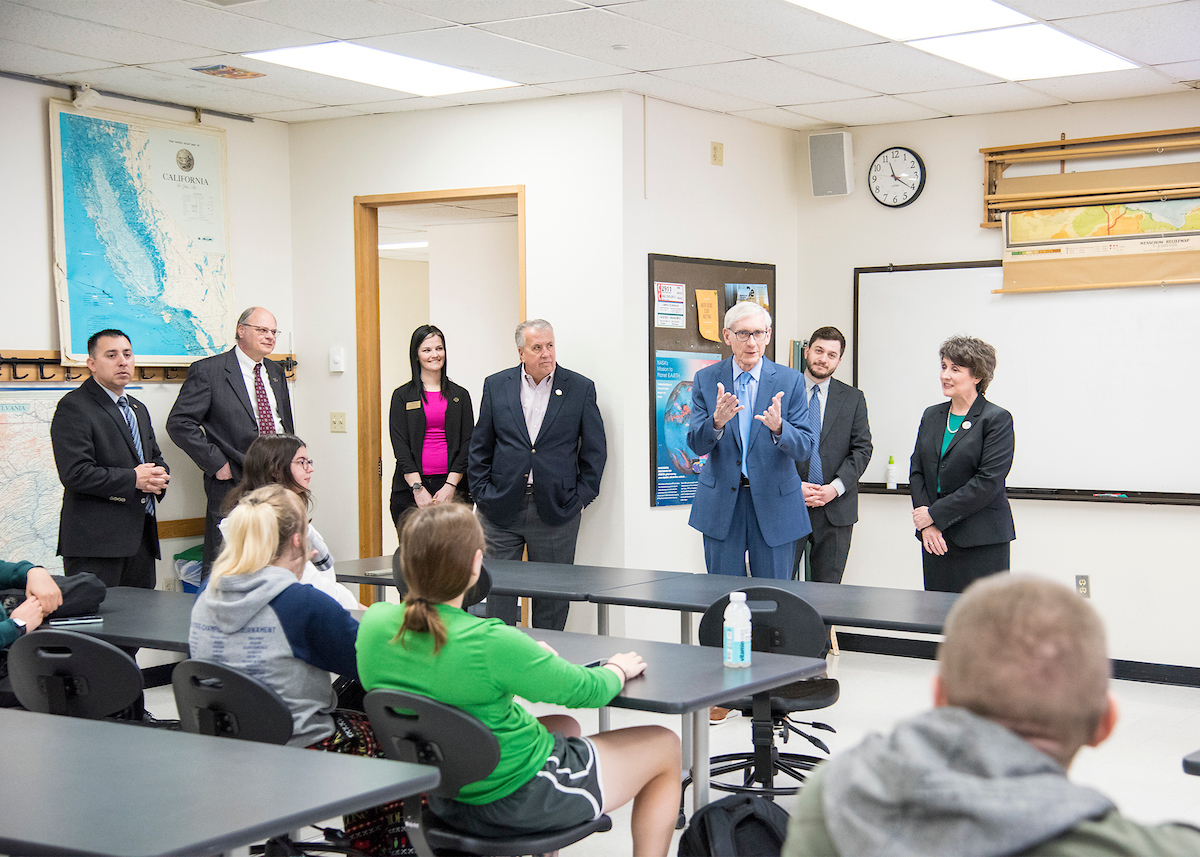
[{"x": 266, "y": 420}]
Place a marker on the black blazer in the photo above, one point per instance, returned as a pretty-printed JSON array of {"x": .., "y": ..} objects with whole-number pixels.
[
  {"x": 406, "y": 424},
  {"x": 213, "y": 419},
  {"x": 845, "y": 449},
  {"x": 567, "y": 456},
  {"x": 102, "y": 512},
  {"x": 972, "y": 507}
]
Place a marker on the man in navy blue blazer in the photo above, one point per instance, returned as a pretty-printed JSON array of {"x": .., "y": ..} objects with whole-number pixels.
[
  {"x": 537, "y": 455},
  {"x": 749, "y": 416}
]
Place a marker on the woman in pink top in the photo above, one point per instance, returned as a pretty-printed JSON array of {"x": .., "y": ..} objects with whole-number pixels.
[{"x": 430, "y": 423}]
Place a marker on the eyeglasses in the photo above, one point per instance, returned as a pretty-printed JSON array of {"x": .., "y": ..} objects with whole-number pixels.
[
  {"x": 265, "y": 331},
  {"x": 306, "y": 463},
  {"x": 744, "y": 335}
]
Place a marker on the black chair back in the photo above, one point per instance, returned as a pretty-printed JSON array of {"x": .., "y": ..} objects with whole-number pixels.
[
  {"x": 69, "y": 673},
  {"x": 414, "y": 728},
  {"x": 781, "y": 621},
  {"x": 214, "y": 699},
  {"x": 475, "y": 594}
]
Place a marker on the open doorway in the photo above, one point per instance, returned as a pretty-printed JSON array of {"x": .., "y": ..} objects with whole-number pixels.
[{"x": 468, "y": 288}]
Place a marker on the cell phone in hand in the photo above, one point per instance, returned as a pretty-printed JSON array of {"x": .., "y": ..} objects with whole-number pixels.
[{"x": 74, "y": 620}]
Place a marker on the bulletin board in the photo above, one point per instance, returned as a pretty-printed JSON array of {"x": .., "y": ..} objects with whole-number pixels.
[{"x": 688, "y": 299}]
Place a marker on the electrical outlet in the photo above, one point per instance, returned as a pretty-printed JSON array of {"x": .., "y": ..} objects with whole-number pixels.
[
  {"x": 1083, "y": 585},
  {"x": 718, "y": 154},
  {"x": 337, "y": 421}
]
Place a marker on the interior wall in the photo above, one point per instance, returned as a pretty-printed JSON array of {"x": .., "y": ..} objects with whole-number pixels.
[
  {"x": 567, "y": 153},
  {"x": 260, "y": 250},
  {"x": 1140, "y": 558},
  {"x": 403, "y": 306}
]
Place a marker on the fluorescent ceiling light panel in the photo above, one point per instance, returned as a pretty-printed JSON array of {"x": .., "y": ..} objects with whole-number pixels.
[
  {"x": 380, "y": 68},
  {"x": 406, "y": 245},
  {"x": 1024, "y": 53},
  {"x": 917, "y": 19}
]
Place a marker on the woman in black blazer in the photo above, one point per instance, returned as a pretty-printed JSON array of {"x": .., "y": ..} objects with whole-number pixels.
[
  {"x": 963, "y": 454},
  {"x": 430, "y": 424}
]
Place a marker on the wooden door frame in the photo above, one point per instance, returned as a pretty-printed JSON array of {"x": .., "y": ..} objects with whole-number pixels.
[{"x": 366, "y": 322}]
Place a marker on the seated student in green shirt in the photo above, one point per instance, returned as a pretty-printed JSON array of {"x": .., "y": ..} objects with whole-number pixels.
[
  {"x": 42, "y": 597},
  {"x": 545, "y": 779}
]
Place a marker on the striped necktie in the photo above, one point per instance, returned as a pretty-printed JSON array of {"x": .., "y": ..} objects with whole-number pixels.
[
  {"x": 814, "y": 421},
  {"x": 131, "y": 424}
]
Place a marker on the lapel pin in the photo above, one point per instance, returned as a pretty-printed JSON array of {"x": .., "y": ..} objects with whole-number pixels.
[
  {"x": 966, "y": 424},
  {"x": 558, "y": 392}
]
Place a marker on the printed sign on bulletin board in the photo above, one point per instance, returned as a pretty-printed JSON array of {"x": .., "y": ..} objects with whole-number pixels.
[{"x": 688, "y": 301}]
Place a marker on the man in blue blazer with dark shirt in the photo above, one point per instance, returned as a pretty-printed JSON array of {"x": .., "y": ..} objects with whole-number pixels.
[
  {"x": 749, "y": 416},
  {"x": 537, "y": 455}
]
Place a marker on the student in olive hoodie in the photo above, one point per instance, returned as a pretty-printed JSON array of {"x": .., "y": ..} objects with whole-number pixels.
[{"x": 1022, "y": 686}]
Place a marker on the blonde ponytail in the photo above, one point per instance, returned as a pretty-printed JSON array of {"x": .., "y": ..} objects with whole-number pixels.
[{"x": 258, "y": 531}]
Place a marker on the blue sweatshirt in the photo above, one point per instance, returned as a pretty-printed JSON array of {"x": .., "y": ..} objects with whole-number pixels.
[{"x": 285, "y": 634}]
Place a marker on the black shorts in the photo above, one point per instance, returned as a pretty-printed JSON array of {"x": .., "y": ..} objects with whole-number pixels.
[{"x": 564, "y": 793}]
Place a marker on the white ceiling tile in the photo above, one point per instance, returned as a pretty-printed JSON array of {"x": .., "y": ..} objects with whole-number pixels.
[
  {"x": 282, "y": 80},
  {"x": 403, "y": 105},
  {"x": 46, "y": 30},
  {"x": 870, "y": 111},
  {"x": 158, "y": 85},
  {"x": 781, "y": 118},
  {"x": 889, "y": 67},
  {"x": 762, "y": 27},
  {"x": 1158, "y": 34},
  {"x": 487, "y": 53},
  {"x": 353, "y": 19},
  {"x": 28, "y": 59},
  {"x": 195, "y": 23},
  {"x": 310, "y": 114},
  {"x": 1130, "y": 83},
  {"x": 1181, "y": 70},
  {"x": 660, "y": 87},
  {"x": 765, "y": 81},
  {"x": 592, "y": 33},
  {"x": 1051, "y": 10},
  {"x": 481, "y": 11},
  {"x": 993, "y": 98},
  {"x": 496, "y": 96}
]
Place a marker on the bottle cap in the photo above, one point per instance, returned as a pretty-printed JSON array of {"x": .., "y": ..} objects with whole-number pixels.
[{"x": 737, "y": 596}]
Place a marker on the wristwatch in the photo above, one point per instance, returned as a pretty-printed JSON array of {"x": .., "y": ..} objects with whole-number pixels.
[
  {"x": 416, "y": 486},
  {"x": 20, "y": 623}
]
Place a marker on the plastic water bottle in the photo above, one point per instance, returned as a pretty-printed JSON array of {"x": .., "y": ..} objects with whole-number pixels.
[{"x": 737, "y": 631}]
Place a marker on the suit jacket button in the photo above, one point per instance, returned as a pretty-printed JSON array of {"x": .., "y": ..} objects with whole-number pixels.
[{"x": 532, "y": 451}]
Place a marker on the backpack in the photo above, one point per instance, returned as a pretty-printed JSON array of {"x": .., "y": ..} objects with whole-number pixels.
[{"x": 735, "y": 826}]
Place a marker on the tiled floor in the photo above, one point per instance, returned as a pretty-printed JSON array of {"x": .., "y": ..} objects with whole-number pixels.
[{"x": 1139, "y": 767}]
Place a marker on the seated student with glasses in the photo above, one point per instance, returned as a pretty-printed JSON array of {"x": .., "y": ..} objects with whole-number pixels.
[
  {"x": 545, "y": 779},
  {"x": 282, "y": 459},
  {"x": 253, "y": 615}
]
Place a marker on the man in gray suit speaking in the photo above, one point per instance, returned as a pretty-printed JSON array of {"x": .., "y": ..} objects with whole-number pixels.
[
  {"x": 838, "y": 415},
  {"x": 226, "y": 401}
]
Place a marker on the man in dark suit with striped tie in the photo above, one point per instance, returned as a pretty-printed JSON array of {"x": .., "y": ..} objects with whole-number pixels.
[{"x": 112, "y": 471}]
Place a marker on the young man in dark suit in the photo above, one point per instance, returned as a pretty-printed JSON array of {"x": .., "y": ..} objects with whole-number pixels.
[
  {"x": 839, "y": 415},
  {"x": 112, "y": 471},
  {"x": 226, "y": 402},
  {"x": 537, "y": 455}
]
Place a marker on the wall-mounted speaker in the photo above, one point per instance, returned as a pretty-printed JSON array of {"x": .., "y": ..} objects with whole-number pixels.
[{"x": 831, "y": 163}]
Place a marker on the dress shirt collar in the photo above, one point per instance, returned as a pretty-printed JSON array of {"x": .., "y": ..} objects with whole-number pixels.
[
  {"x": 738, "y": 371},
  {"x": 527, "y": 379},
  {"x": 809, "y": 384},
  {"x": 245, "y": 361},
  {"x": 111, "y": 394}
]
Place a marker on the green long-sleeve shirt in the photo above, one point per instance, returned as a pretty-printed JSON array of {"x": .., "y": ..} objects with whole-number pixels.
[
  {"x": 12, "y": 576},
  {"x": 483, "y": 664}
]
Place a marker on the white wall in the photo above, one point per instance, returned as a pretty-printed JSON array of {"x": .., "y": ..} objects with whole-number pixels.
[
  {"x": 1141, "y": 558},
  {"x": 259, "y": 228}
]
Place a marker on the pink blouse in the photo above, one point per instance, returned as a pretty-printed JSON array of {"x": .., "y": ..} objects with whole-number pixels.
[{"x": 434, "y": 455}]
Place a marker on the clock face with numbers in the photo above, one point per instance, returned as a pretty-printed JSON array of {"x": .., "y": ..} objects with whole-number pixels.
[{"x": 897, "y": 177}]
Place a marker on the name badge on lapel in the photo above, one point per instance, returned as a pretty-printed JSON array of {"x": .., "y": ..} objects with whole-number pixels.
[{"x": 411, "y": 406}]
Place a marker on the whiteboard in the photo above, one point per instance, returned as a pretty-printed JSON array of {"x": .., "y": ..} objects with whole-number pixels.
[{"x": 1102, "y": 385}]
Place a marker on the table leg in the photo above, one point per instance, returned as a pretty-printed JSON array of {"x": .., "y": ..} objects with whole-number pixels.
[
  {"x": 605, "y": 719},
  {"x": 699, "y": 758},
  {"x": 602, "y": 620},
  {"x": 380, "y": 593},
  {"x": 686, "y": 739},
  {"x": 685, "y": 628}
]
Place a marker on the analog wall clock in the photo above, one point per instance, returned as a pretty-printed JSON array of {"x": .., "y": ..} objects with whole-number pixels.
[{"x": 897, "y": 177}]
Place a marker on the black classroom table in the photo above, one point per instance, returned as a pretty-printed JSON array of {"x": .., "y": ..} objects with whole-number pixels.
[
  {"x": 142, "y": 618},
  {"x": 73, "y": 786},
  {"x": 685, "y": 680}
]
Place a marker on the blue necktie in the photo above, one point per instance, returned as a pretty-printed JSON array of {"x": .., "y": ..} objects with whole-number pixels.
[
  {"x": 814, "y": 422},
  {"x": 131, "y": 424},
  {"x": 745, "y": 417}
]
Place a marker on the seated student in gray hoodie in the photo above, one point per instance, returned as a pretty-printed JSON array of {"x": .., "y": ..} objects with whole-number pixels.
[
  {"x": 1022, "y": 686},
  {"x": 255, "y": 616}
]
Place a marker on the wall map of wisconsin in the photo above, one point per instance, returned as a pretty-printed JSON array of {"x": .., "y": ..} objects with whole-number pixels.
[{"x": 141, "y": 235}]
